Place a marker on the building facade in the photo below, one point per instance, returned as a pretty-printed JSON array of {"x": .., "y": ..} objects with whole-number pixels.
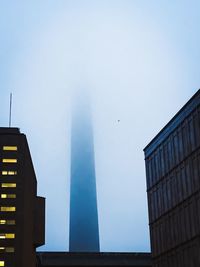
[
  {"x": 84, "y": 229},
  {"x": 65, "y": 259},
  {"x": 22, "y": 213},
  {"x": 173, "y": 188}
]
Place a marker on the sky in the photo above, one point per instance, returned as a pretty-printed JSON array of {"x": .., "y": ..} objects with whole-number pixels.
[{"x": 138, "y": 59}]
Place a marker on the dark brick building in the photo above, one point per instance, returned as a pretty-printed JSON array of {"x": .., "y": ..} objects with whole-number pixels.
[
  {"x": 21, "y": 211},
  {"x": 173, "y": 188}
]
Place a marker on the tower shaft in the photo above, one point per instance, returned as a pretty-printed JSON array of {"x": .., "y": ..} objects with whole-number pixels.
[{"x": 84, "y": 231}]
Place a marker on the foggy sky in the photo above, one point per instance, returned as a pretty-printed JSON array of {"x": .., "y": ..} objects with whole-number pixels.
[{"x": 139, "y": 60}]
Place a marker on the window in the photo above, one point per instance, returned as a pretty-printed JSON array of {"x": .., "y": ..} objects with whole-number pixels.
[
  {"x": 9, "y": 160},
  {"x": 8, "y": 208},
  {"x": 10, "y": 222},
  {"x": 7, "y": 236},
  {"x": 8, "y": 185},
  {"x": 7, "y": 249},
  {"x": 2, "y": 263},
  {"x": 7, "y": 222},
  {"x": 10, "y": 148},
  {"x": 9, "y": 172},
  {"x": 8, "y": 195}
]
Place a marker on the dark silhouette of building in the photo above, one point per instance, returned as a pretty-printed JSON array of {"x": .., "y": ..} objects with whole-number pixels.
[
  {"x": 64, "y": 259},
  {"x": 84, "y": 231},
  {"x": 173, "y": 188},
  {"x": 21, "y": 211}
]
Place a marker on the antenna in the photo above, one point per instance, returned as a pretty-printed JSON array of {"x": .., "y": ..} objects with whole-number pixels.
[{"x": 10, "y": 110}]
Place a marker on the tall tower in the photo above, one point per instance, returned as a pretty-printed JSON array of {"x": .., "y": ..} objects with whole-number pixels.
[{"x": 84, "y": 230}]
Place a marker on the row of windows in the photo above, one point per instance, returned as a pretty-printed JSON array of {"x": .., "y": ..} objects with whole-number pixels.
[
  {"x": 8, "y": 196},
  {"x": 7, "y": 222},
  {"x": 9, "y": 172},
  {"x": 9, "y": 160},
  {"x": 177, "y": 227},
  {"x": 10, "y": 185},
  {"x": 175, "y": 188},
  {"x": 7, "y": 208},
  {"x": 10, "y": 148},
  {"x": 7, "y": 235},
  {"x": 7, "y": 249},
  {"x": 183, "y": 141}
]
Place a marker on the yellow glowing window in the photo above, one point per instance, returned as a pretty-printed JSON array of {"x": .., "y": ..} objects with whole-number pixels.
[
  {"x": 9, "y": 160},
  {"x": 8, "y": 195},
  {"x": 10, "y": 148},
  {"x": 2, "y": 263},
  {"x": 7, "y": 222},
  {"x": 11, "y": 185},
  {"x": 8, "y": 208},
  {"x": 7, "y": 236},
  {"x": 7, "y": 249},
  {"x": 9, "y": 173}
]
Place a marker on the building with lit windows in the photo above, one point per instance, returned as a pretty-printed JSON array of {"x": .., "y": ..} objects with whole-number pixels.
[{"x": 22, "y": 217}]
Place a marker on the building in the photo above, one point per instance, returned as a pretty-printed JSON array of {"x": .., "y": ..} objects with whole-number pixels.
[
  {"x": 21, "y": 211},
  {"x": 84, "y": 230},
  {"x": 173, "y": 188},
  {"x": 65, "y": 259}
]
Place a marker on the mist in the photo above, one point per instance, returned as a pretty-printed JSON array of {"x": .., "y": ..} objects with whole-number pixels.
[{"x": 138, "y": 63}]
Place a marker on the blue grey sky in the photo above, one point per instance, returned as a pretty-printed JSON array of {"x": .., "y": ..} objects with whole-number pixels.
[{"x": 139, "y": 60}]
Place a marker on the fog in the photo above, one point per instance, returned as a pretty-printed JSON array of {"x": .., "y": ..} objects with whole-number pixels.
[{"x": 138, "y": 62}]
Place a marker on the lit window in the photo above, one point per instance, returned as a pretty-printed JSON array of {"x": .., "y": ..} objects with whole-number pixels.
[
  {"x": 10, "y": 249},
  {"x": 9, "y": 160},
  {"x": 8, "y": 185},
  {"x": 7, "y": 222},
  {"x": 10, "y": 222},
  {"x": 7, "y": 249},
  {"x": 9, "y": 173},
  {"x": 8, "y": 208},
  {"x": 2, "y": 263},
  {"x": 7, "y": 236},
  {"x": 8, "y": 195},
  {"x": 10, "y": 148}
]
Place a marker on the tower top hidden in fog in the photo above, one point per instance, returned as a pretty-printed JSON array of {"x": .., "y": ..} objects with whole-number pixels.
[{"x": 84, "y": 230}]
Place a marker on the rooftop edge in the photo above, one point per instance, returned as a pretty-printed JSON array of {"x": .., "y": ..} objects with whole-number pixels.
[
  {"x": 190, "y": 105},
  {"x": 9, "y": 130}
]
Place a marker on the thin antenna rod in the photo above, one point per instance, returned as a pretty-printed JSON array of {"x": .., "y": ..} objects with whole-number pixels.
[{"x": 10, "y": 112}]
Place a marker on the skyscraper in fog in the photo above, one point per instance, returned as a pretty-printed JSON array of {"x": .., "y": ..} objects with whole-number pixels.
[{"x": 84, "y": 230}]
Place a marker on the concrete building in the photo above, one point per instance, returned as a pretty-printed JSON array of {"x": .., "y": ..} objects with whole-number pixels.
[
  {"x": 22, "y": 217},
  {"x": 84, "y": 229},
  {"x": 173, "y": 188},
  {"x": 64, "y": 259}
]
